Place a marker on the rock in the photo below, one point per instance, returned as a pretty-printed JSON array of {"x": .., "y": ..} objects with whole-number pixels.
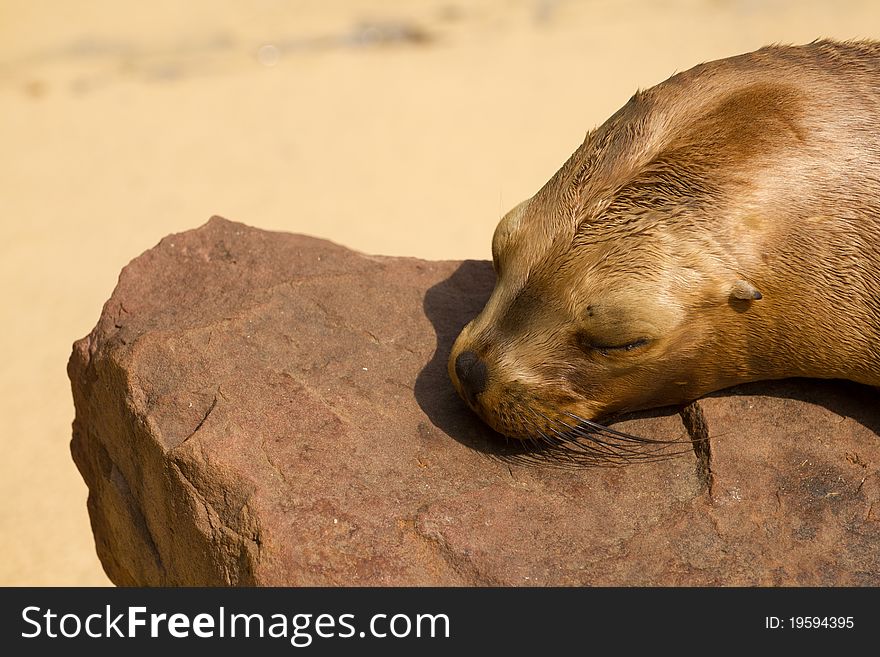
[{"x": 272, "y": 409}]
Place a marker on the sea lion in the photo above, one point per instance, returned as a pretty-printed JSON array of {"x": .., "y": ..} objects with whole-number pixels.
[{"x": 722, "y": 227}]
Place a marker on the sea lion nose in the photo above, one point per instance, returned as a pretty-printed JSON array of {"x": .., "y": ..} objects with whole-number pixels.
[{"x": 472, "y": 374}]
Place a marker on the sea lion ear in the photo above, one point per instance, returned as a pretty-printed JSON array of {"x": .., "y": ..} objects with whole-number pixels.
[{"x": 745, "y": 291}]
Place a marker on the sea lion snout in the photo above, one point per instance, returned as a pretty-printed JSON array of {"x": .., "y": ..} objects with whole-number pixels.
[{"x": 472, "y": 374}]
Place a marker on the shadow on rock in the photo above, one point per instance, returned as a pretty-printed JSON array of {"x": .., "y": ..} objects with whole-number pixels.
[
  {"x": 450, "y": 305},
  {"x": 845, "y": 398}
]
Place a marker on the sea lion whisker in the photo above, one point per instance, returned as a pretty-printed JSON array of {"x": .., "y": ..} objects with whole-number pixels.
[
  {"x": 576, "y": 435},
  {"x": 585, "y": 439},
  {"x": 638, "y": 451},
  {"x": 558, "y": 443},
  {"x": 620, "y": 434},
  {"x": 589, "y": 450},
  {"x": 550, "y": 445},
  {"x": 592, "y": 434},
  {"x": 571, "y": 438}
]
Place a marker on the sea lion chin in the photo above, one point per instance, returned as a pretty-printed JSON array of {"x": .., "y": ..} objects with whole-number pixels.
[{"x": 722, "y": 227}]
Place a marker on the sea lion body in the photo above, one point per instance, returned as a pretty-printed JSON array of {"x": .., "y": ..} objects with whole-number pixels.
[{"x": 721, "y": 227}]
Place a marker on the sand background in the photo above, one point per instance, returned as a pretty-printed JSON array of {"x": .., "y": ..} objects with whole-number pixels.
[{"x": 392, "y": 127}]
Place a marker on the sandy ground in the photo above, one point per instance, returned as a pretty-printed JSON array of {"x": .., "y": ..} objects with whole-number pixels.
[{"x": 393, "y": 127}]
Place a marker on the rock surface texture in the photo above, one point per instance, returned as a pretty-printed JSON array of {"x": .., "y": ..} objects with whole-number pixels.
[{"x": 272, "y": 409}]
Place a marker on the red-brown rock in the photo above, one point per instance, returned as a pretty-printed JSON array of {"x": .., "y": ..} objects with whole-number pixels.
[{"x": 265, "y": 408}]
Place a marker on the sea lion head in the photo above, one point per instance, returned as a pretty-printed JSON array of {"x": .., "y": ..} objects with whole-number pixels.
[
  {"x": 721, "y": 227},
  {"x": 633, "y": 279},
  {"x": 613, "y": 318}
]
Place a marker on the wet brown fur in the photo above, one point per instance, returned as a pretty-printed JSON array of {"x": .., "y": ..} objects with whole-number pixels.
[{"x": 762, "y": 172}]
